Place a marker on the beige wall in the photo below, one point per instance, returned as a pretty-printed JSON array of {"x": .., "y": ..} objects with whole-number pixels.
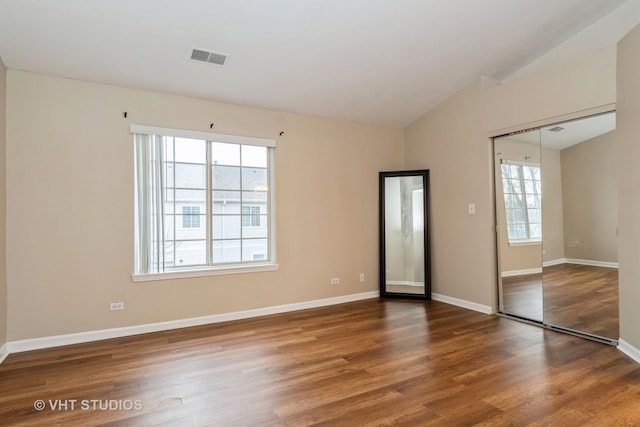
[
  {"x": 550, "y": 94},
  {"x": 590, "y": 202},
  {"x": 628, "y": 140},
  {"x": 552, "y": 215},
  {"x": 3, "y": 206},
  {"x": 453, "y": 141},
  {"x": 70, "y": 207}
]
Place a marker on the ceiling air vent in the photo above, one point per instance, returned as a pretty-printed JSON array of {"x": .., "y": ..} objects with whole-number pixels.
[
  {"x": 205, "y": 56},
  {"x": 556, "y": 129}
]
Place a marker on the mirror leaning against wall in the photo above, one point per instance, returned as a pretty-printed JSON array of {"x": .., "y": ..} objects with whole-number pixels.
[
  {"x": 404, "y": 225},
  {"x": 556, "y": 222}
]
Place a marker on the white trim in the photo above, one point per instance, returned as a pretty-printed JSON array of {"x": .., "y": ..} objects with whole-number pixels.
[
  {"x": 462, "y": 303},
  {"x": 591, "y": 262},
  {"x": 207, "y": 136},
  {"x": 552, "y": 262},
  {"x": 209, "y": 271},
  {"x": 82, "y": 337},
  {"x": 525, "y": 242},
  {"x": 4, "y": 352},
  {"x": 271, "y": 158},
  {"x": 404, "y": 283},
  {"x": 559, "y": 261},
  {"x": 629, "y": 350},
  {"x": 524, "y": 272}
]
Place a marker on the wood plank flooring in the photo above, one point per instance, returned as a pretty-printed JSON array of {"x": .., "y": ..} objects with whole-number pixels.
[
  {"x": 579, "y": 297},
  {"x": 522, "y": 296},
  {"x": 372, "y": 362},
  {"x": 582, "y": 297}
]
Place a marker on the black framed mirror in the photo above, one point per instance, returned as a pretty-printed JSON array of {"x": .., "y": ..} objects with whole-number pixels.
[{"x": 404, "y": 234}]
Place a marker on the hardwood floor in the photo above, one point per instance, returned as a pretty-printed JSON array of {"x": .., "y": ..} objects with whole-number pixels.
[
  {"x": 583, "y": 298},
  {"x": 579, "y": 297},
  {"x": 522, "y": 296},
  {"x": 373, "y": 362}
]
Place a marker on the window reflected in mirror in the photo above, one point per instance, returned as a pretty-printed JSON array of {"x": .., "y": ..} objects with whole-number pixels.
[{"x": 522, "y": 199}]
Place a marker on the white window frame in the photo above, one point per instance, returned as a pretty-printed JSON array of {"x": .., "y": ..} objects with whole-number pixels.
[
  {"x": 529, "y": 240},
  {"x": 141, "y": 250}
]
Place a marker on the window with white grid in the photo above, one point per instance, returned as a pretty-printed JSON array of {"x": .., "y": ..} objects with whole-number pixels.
[
  {"x": 202, "y": 201},
  {"x": 522, "y": 189}
]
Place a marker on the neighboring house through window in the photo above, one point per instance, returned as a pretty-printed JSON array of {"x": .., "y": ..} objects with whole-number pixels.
[
  {"x": 203, "y": 201},
  {"x": 191, "y": 217},
  {"x": 251, "y": 216}
]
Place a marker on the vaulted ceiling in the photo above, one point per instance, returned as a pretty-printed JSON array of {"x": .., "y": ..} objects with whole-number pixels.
[{"x": 374, "y": 61}]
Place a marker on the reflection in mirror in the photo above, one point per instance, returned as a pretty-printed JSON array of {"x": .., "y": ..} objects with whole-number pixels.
[
  {"x": 519, "y": 218},
  {"x": 403, "y": 248},
  {"x": 580, "y": 258},
  {"x": 561, "y": 271}
]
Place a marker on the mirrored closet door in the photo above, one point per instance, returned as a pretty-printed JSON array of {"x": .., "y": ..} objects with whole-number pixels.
[
  {"x": 556, "y": 216},
  {"x": 519, "y": 215}
]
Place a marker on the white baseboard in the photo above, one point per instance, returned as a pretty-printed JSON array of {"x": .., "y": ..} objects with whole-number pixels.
[
  {"x": 524, "y": 272},
  {"x": 82, "y": 337},
  {"x": 462, "y": 303},
  {"x": 592, "y": 263},
  {"x": 557, "y": 261},
  {"x": 629, "y": 350},
  {"x": 404, "y": 283},
  {"x": 4, "y": 352},
  {"x": 580, "y": 262}
]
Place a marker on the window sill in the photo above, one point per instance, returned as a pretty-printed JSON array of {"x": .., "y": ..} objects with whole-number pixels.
[
  {"x": 525, "y": 242},
  {"x": 209, "y": 271}
]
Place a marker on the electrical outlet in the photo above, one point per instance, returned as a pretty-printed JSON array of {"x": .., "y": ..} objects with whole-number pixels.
[
  {"x": 335, "y": 280},
  {"x": 361, "y": 277},
  {"x": 115, "y": 306}
]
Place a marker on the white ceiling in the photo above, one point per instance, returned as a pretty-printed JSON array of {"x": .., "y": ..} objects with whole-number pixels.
[
  {"x": 573, "y": 132},
  {"x": 374, "y": 61},
  {"x": 577, "y": 131}
]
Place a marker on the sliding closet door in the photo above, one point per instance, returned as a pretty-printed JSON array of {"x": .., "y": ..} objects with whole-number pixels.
[
  {"x": 580, "y": 279},
  {"x": 556, "y": 222},
  {"x": 518, "y": 190}
]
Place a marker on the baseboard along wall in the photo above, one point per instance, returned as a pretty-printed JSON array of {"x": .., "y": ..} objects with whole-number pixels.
[
  {"x": 4, "y": 352},
  {"x": 629, "y": 350},
  {"x": 512, "y": 273},
  {"x": 462, "y": 303},
  {"x": 83, "y": 337}
]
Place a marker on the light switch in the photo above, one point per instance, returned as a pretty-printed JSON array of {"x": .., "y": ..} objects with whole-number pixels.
[{"x": 472, "y": 208}]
